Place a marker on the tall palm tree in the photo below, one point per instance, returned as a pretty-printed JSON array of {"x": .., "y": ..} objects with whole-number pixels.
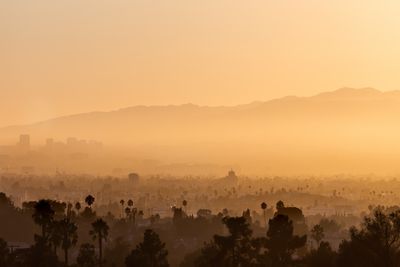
[
  {"x": 55, "y": 236},
  {"x": 131, "y": 210},
  {"x": 89, "y": 200},
  {"x": 43, "y": 216},
  {"x": 133, "y": 213},
  {"x": 100, "y": 232},
  {"x": 78, "y": 206},
  {"x": 69, "y": 209},
  {"x": 264, "y": 207},
  {"x": 122, "y": 202},
  {"x": 184, "y": 203},
  {"x": 127, "y": 212},
  {"x": 68, "y": 230}
]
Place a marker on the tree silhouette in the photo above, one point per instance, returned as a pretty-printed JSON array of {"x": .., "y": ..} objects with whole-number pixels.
[
  {"x": 140, "y": 214},
  {"x": 264, "y": 207},
  {"x": 184, "y": 204},
  {"x": 122, "y": 202},
  {"x": 127, "y": 212},
  {"x": 329, "y": 226},
  {"x": 86, "y": 256},
  {"x": 55, "y": 236},
  {"x": 317, "y": 233},
  {"x": 88, "y": 214},
  {"x": 280, "y": 242},
  {"x": 100, "y": 232},
  {"x": 40, "y": 255},
  {"x": 5, "y": 254},
  {"x": 154, "y": 218},
  {"x": 78, "y": 206},
  {"x": 324, "y": 256},
  {"x": 377, "y": 243},
  {"x": 150, "y": 253},
  {"x": 69, "y": 235},
  {"x": 43, "y": 216},
  {"x": 58, "y": 207},
  {"x": 280, "y": 205},
  {"x": 69, "y": 209},
  {"x": 132, "y": 215},
  {"x": 115, "y": 254},
  {"x": 89, "y": 200},
  {"x": 233, "y": 250},
  {"x": 4, "y": 200},
  {"x": 130, "y": 211},
  {"x": 246, "y": 214}
]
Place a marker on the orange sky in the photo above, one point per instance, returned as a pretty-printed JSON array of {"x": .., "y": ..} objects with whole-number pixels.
[{"x": 69, "y": 56}]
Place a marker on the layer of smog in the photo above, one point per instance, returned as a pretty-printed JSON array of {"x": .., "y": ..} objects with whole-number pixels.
[{"x": 199, "y": 133}]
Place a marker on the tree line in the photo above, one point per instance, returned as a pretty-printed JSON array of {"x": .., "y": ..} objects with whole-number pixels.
[{"x": 376, "y": 242}]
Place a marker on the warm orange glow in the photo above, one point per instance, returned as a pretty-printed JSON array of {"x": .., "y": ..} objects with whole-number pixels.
[
  {"x": 65, "y": 57},
  {"x": 68, "y": 57}
]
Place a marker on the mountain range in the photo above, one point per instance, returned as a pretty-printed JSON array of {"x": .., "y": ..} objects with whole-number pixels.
[{"x": 358, "y": 122}]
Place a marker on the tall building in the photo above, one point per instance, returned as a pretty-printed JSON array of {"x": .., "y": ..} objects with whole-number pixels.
[
  {"x": 230, "y": 179},
  {"x": 24, "y": 141},
  {"x": 133, "y": 178}
]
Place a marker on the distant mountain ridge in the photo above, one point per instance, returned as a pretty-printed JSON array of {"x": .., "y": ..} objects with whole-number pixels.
[
  {"x": 344, "y": 130},
  {"x": 345, "y": 93},
  {"x": 339, "y": 94},
  {"x": 175, "y": 124}
]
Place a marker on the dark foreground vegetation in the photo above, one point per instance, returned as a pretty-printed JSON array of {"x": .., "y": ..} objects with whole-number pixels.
[{"x": 72, "y": 234}]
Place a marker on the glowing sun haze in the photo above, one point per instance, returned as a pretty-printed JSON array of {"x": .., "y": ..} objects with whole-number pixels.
[{"x": 69, "y": 56}]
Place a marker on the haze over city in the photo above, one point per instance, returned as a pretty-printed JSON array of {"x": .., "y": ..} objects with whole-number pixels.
[{"x": 212, "y": 133}]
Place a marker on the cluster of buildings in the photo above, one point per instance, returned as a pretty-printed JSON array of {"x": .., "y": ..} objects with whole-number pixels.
[
  {"x": 25, "y": 157},
  {"x": 72, "y": 144}
]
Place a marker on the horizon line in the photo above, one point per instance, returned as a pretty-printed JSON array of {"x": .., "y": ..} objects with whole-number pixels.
[{"x": 193, "y": 104}]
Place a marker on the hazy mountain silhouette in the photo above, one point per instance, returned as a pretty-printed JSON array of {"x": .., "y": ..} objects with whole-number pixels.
[
  {"x": 190, "y": 122},
  {"x": 355, "y": 121}
]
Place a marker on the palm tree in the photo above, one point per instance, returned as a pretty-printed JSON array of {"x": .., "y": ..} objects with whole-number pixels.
[
  {"x": 130, "y": 202},
  {"x": 69, "y": 208},
  {"x": 140, "y": 213},
  {"x": 100, "y": 232},
  {"x": 127, "y": 212},
  {"x": 122, "y": 202},
  {"x": 68, "y": 230},
  {"x": 78, "y": 206},
  {"x": 43, "y": 215},
  {"x": 280, "y": 205},
  {"x": 184, "y": 203},
  {"x": 133, "y": 215},
  {"x": 317, "y": 233},
  {"x": 264, "y": 207},
  {"x": 89, "y": 200},
  {"x": 55, "y": 237}
]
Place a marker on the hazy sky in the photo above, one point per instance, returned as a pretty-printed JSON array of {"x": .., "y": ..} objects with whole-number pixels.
[{"x": 68, "y": 56}]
